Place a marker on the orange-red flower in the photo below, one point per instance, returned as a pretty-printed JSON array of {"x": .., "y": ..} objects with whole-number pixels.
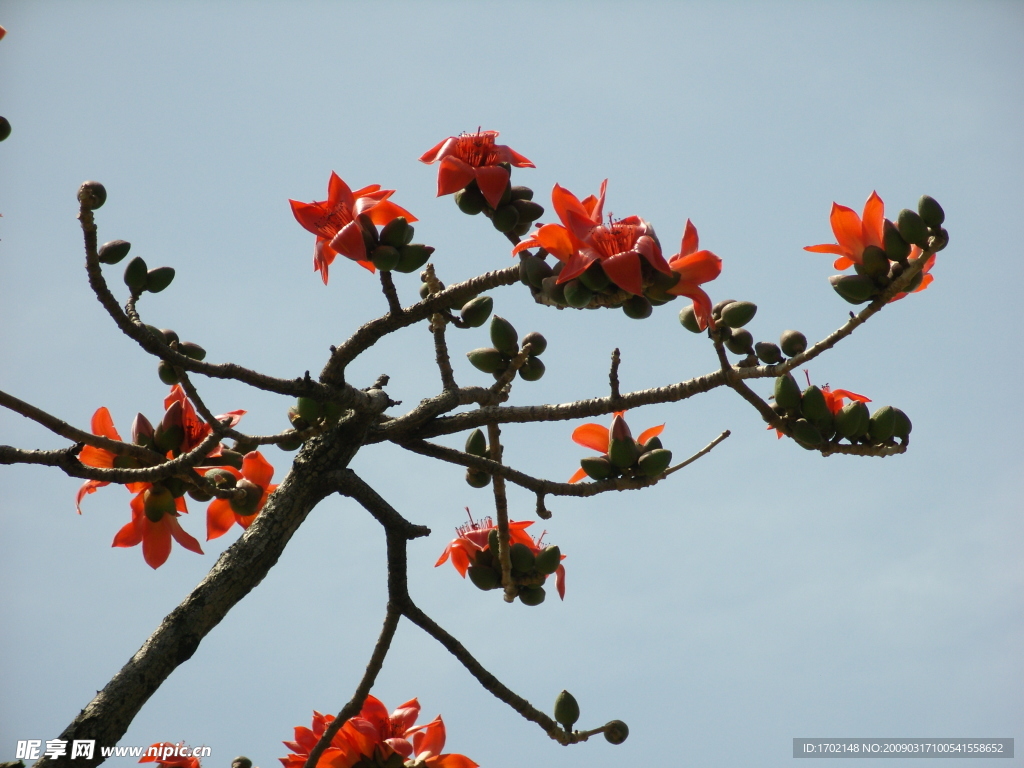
[
  {"x": 581, "y": 239},
  {"x": 474, "y": 156},
  {"x": 155, "y": 535},
  {"x": 103, "y": 426},
  {"x": 598, "y": 438},
  {"x": 194, "y": 428},
  {"x": 169, "y": 755},
  {"x": 374, "y": 736},
  {"x": 473, "y": 538},
  {"x": 255, "y": 476},
  {"x": 335, "y": 224},
  {"x": 695, "y": 267},
  {"x": 834, "y": 398},
  {"x": 854, "y": 233}
]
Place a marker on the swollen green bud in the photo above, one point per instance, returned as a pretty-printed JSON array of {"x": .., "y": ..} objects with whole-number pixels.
[
  {"x": 290, "y": 443},
  {"x": 537, "y": 343},
  {"x": 594, "y": 277},
  {"x": 166, "y": 373},
  {"x": 793, "y": 343},
  {"x": 552, "y": 290},
  {"x": 384, "y": 257},
  {"x": 931, "y": 212},
  {"x": 902, "y": 427},
  {"x": 190, "y": 349},
  {"x": 412, "y": 256},
  {"x": 637, "y": 307},
  {"x": 114, "y": 251},
  {"x": 157, "y": 501},
  {"x": 230, "y": 458},
  {"x": 597, "y": 467},
  {"x": 622, "y": 453},
  {"x": 250, "y": 502},
  {"x": 939, "y": 240},
  {"x": 159, "y": 278},
  {"x": 532, "y": 369},
  {"x": 221, "y": 478},
  {"x": 874, "y": 262},
  {"x": 896, "y": 248},
  {"x": 241, "y": 762},
  {"x": 740, "y": 341},
  {"x": 882, "y": 424},
  {"x": 394, "y": 232},
  {"x": 653, "y": 463},
  {"x": 505, "y": 218},
  {"x": 522, "y": 557},
  {"x": 577, "y": 294},
  {"x": 504, "y": 336},
  {"x": 531, "y": 595},
  {"x": 200, "y": 495},
  {"x": 738, "y": 313},
  {"x": 475, "y": 312},
  {"x": 476, "y": 443},
  {"x": 567, "y": 710},
  {"x": 856, "y": 289},
  {"x": 470, "y": 200},
  {"x": 688, "y": 318},
  {"x": 651, "y": 445},
  {"x": 492, "y": 541},
  {"x": 547, "y": 560},
  {"x": 534, "y": 269},
  {"x": 768, "y": 353},
  {"x": 528, "y": 210},
  {"x": 484, "y": 577},
  {"x": 716, "y": 311},
  {"x": 135, "y": 275},
  {"x": 487, "y": 359},
  {"x": 912, "y": 228},
  {"x": 309, "y": 409},
  {"x": 814, "y": 406},
  {"x": 787, "y": 392},
  {"x": 92, "y": 195},
  {"x": 477, "y": 479},
  {"x": 852, "y": 420},
  {"x": 616, "y": 732},
  {"x": 806, "y": 433},
  {"x": 5, "y": 128},
  {"x": 521, "y": 193}
]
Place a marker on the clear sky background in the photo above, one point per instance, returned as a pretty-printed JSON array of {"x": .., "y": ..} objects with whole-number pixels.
[{"x": 763, "y": 594}]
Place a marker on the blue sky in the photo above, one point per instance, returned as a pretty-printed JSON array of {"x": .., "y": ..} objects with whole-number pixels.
[{"x": 763, "y": 594}]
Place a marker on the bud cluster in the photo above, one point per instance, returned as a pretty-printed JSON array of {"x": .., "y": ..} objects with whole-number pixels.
[
  {"x": 514, "y": 214},
  {"x": 392, "y": 249},
  {"x": 879, "y": 266},
  {"x": 164, "y": 369},
  {"x": 531, "y": 566},
  {"x": 497, "y": 359},
  {"x": 627, "y": 457},
  {"x": 308, "y": 412}
]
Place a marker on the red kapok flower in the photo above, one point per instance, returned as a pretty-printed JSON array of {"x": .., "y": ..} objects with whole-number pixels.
[
  {"x": 474, "y": 156},
  {"x": 155, "y": 535},
  {"x": 255, "y": 477},
  {"x": 195, "y": 429},
  {"x": 170, "y": 755},
  {"x": 581, "y": 239},
  {"x": 834, "y": 398},
  {"x": 335, "y": 225},
  {"x": 598, "y": 437},
  {"x": 854, "y": 233},
  {"x": 473, "y": 538},
  {"x": 103, "y": 426},
  {"x": 694, "y": 268}
]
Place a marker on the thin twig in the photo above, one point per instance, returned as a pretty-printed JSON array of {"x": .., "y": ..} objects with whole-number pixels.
[
  {"x": 613, "y": 375},
  {"x": 387, "y": 284},
  {"x": 501, "y": 512},
  {"x": 702, "y": 452}
]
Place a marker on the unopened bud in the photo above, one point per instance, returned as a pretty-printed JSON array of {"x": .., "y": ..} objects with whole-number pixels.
[
  {"x": 793, "y": 343},
  {"x": 142, "y": 431},
  {"x": 92, "y": 195}
]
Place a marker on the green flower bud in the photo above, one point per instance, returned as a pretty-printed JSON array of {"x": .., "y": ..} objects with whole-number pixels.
[
  {"x": 190, "y": 349},
  {"x": 856, "y": 289},
  {"x": 896, "y": 248},
  {"x": 200, "y": 495},
  {"x": 505, "y": 218},
  {"x": 521, "y": 193},
  {"x": 637, "y": 307},
  {"x": 92, "y": 195},
  {"x": 504, "y": 336},
  {"x": 651, "y": 445},
  {"x": 738, "y": 313},
  {"x": 912, "y": 228},
  {"x": 394, "y": 232},
  {"x": 716, "y": 311},
  {"x": 159, "y": 278},
  {"x": 577, "y": 294},
  {"x": 114, "y": 251},
  {"x": 813, "y": 405},
  {"x": 882, "y": 424},
  {"x": 548, "y": 560},
  {"x": 740, "y": 341},
  {"x": 475, "y": 312},
  {"x": 522, "y": 557},
  {"x": 477, "y": 479},
  {"x": 534, "y": 269},
  {"x": 247, "y": 505},
  {"x": 787, "y": 392},
  {"x": 241, "y": 762},
  {"x": 492, "y": 541},
  {"x": 528, "y": 210},
  {"x": 487, "y": 359},
  {"x": 616, "y": 732},
  {"x": 169, "y": 336},
  {"x": 874, "y": 262},
  {"x": 688, "y": 318},
  {"x": 532, "y": 369},
  {"x": 476, "y": 443},
  {"x": 384, "y": 257},
  {"x": 290, "y": 444},
  {"x": 309, "y": 409},
  {"x": 531, "y": 595},
  {"x": 567, "y": 710},
  {"x": 221, "y": 478},
  {"x": 653, "y": 463},
  {"x": 166, "y": 373},
  {"x": 5, "y": 128},
  {"x": 597, "y": 467},
  {"x": 806, "y": 433},
  {"x": 484, "y": 577},
  {"x": 594, "y": 277},
  {"x": 412, "y": 256},
  {"x": 902, "y": 426},
  {"x": 230, "y": 458},
  {"x": 622, "y": 453},
  {"x": 470, "y": 200},
  {"x": 768, "y": 353},
  {"x": 157, "y": 501},
  {"x": 793, "y": 343},
  {"x": 537, "y": 343},
  {"x": 930, "y": 211},
  {"x": 135, "y": 275},
  {"x": 553, "y": 291},
  {"x": 852, "y": 420}
]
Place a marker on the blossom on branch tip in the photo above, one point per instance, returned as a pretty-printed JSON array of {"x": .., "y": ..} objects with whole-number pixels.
[
  {"x": 154, "y": 523},
  {"x": 854, "y": 233},
  {"x": 194, "y": 428},
  {"x": 255, "y": 478},
  {"x": 618, "y": 448},
  {"x": 336, "y": 225},
  {"x": 694, "y": 268},
  {"x": 474, "y": 156}
]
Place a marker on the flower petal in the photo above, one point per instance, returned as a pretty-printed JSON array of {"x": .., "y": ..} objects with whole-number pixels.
[
  {"x": 219, "y": 518},
  {"x": 873, "y": 221},
  {"x": 695, "y": 268},
  {"x": 185, "y": 539},
  {"x": 349, "y": 242},
  {"x": 492, "y": 180},
  {"x": 453, "y": 174},
  {"x": 257, "y": 469},
  {"x": 624, "y": 270},
  {"x": 578, "y": 475},
  {"x": 846, "y": 226},
  {"x": 690, "y": 239},
  {"x": 103, "y": 424},
  {"x": 592, "y": 436},
  {"x": 647, "y": 434}
]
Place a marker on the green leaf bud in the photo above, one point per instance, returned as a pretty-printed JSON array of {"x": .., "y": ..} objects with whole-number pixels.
[
  {"x": 476, "y": 443},
  {"x": 547, "y": 560},
  {"x": 475, "y": 312},
  {"x": 166, "y": 373},
  {"x": 653, "y": 463},
  {"x": 384, "y": 257},
  {"x": 159, "y": 278},
  {"x": 522, "y": 557},
  {"x": 852, "y": 420},
  {"x": 521, "y": 193},
  {"x": 882, "y": 424},
  {"x": 622, "y": 453},
  {"x": 470, "y": 200},
  {"x": 308, "y": 409},
  {"x": 896, "y": 248},
  {"x": 504, "y": 336},
  {"x": 534, "y": 269},
  {"x": 736, "y": 314},
  {"x": 553, "y": 291},
  {"x": 528, "y": 210},
  {"x": 413, "y": 256},
  {"x": 787, "y": 392},
  {"x": 487, "y": 359},
  {"x": 492, "y": 541},
  {"x": 912, "y": 228},
  {"x": 484, "y": 577},
  {"x": 597, "y": 467},
  {"x": 651, "y": 445},
  {"x": 193, "y": 350},
  {"x": 930, "y": 211},
  {"x": 477, "y": 479},
  {"x": 740, "y": 341},
  {"x": 793, "y": 343},
  {"x": 806, "y": 433},
  {"x": 135, "y": 275},
  {"x": 247, "y": 504},
  {"x": 595, "y": 278},
  {"x": 158, "y": 501},
  {"x": 230, "y": 458},
  {"x": 856, "y": 289},
  {"x": 505, "y": 218},
  {"x": 939, "y": 240},
  {"x": 902, "y": 425},
  {"x": 567, "y": 710},
  {"x": 5, "y": 128},
  {"x": 874, "y": 262},
  {"x": 813, "y": 405}
]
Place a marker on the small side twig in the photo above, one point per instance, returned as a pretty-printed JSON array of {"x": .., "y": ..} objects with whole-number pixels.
[
  {"x": 613, "y": 375},
  {"x": 501, "y": 512},
  {"x": 387, "y": 284}
]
